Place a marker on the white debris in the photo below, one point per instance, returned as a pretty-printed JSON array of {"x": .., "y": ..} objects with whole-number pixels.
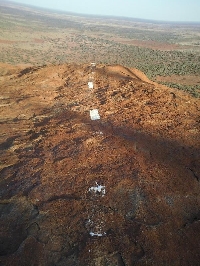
[
  {"x": 90, "y": 85},
  {"x": 99, "y": 132},
  {"x": 94, "y": 114},
  {"x": 99, "y": 188},
  {"x": 97, "y": 234}
]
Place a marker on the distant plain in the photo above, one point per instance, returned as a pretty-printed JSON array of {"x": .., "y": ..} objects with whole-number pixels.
[{"x": 168, "y": 53}]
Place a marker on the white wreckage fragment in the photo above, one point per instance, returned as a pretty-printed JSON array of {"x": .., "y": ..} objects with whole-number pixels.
[
  {"x": 98, "y": 189},
  {"x": 97, "y": 234},
  {"x": 94, "y": 114},
  {"x": 90, "y": 85}
]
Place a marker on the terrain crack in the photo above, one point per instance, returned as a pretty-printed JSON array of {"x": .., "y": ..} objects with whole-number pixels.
[
  {"x": 61, "y": 197},
  {"x": 195, "y": 176}
]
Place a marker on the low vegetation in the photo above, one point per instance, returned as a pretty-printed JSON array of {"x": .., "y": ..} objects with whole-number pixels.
[
  {"x": 194, "y": 90},
  {"x": 38, "y": 37}
]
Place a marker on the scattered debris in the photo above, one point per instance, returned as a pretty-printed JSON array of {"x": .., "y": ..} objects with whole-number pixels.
[{"x": 50, "y": 162}]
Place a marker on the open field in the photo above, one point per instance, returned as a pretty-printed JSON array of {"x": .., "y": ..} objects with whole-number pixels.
[{"x": 38, "y": 37}]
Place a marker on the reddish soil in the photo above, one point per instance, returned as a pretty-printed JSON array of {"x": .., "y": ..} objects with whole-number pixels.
[
  {"x": 153, "y": 44},
  {"x": 11, "y": 42},
  {"x": 184, "y": 80},
  {"x": 7, "y": 41},
  {"x": 142, "y": 157},
  {"x": 6, "y": 69},
  {"x": 36, "y": 40}
]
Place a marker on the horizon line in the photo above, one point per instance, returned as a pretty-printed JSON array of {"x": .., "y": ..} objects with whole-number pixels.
[{"x": 101, "y": 15}]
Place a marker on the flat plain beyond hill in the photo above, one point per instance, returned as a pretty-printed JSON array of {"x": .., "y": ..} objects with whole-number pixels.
[{"x": 168, "y": 53}]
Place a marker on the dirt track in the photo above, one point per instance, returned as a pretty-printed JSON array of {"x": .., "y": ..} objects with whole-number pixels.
[{"x": 144, "y": 152}]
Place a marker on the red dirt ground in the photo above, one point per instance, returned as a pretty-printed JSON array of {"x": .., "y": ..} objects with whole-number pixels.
[
  {"x": 153, "y": 44},
  {"x": 7, "y": 41},
  {"x": 184, "y": 79},
  {"x": 144, "y": 151},
  {"x": 36, "y": 40}
]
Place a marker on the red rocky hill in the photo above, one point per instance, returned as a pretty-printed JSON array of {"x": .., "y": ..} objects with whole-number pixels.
[{"x": 122, "y": 190}]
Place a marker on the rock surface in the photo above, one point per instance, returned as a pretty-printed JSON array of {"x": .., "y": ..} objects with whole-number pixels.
[{"x": 123, "y": 190}]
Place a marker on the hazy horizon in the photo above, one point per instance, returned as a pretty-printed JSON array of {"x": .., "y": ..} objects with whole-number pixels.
[{"x": 177, "y": 10}]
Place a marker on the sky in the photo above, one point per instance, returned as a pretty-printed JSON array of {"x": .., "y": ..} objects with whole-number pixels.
[{"x": 167, "y": 10}]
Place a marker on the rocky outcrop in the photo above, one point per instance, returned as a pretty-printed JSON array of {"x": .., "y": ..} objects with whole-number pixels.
[{"x": 122, "y": 190}]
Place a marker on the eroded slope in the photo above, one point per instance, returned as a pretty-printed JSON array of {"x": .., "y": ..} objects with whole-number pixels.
[{"x": 123, "y": 190}]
